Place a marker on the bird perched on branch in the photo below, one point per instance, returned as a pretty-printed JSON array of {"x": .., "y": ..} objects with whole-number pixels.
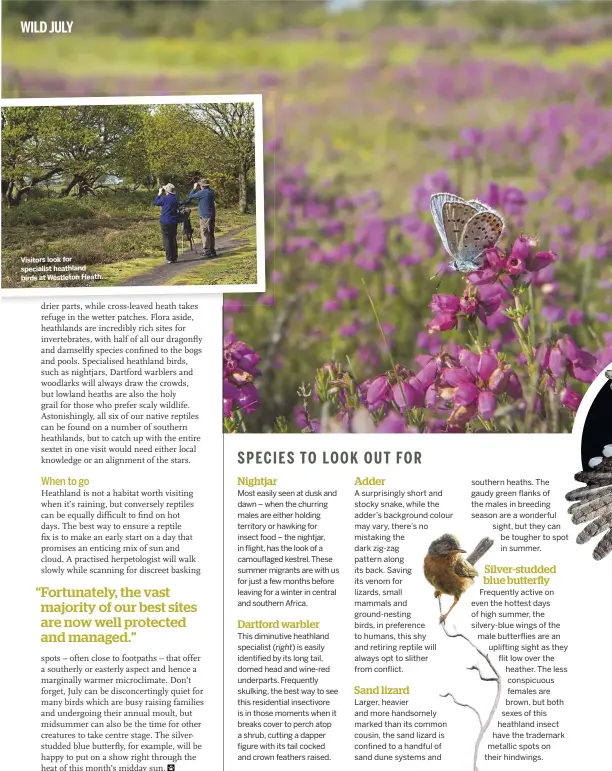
[{"x": 448, "y": 571}]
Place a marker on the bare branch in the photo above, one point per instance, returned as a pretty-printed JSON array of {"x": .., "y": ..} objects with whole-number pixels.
[
  {"x": 496, "y": 679},
  {"x": 482, "y": 677},
  {"x": 455, "y": 633},
  {"x": 461, "y": 704}
]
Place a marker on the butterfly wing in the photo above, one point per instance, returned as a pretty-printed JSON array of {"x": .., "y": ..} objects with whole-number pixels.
[
  {"x": 480, "y": 232},
  {"x": 436, "y": 206},
  {"x": 455, "y": 216},
  {"x": 479, "y": 205}
]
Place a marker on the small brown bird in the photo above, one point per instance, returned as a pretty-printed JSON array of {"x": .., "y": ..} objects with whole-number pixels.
[{"x": 448, "y": 571}]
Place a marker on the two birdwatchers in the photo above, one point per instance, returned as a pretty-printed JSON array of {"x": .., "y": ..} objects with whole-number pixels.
[{"x": 169, "y": 219}]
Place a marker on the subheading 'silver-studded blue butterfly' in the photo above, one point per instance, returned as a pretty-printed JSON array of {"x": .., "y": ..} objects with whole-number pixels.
[{"x": 466, "y": 228}]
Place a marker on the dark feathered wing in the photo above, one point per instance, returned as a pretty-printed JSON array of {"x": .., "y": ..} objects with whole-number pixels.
[
  {"x": 464, "y": 569},
  {"x": 482, "y": 548}
]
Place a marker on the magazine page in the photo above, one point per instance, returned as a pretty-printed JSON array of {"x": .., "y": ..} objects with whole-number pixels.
[{"x": 307, "y": 384}]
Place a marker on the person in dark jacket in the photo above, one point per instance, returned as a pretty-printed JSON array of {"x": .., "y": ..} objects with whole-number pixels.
[
  {"x": 168, "y": 200},
  {"x": 205, "y": 196}
]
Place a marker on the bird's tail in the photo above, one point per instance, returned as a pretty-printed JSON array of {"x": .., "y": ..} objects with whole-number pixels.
[{"x": 482, "y": 548}]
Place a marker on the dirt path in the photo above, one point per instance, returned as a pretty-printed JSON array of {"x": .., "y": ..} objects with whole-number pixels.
[{"x": 224, "y": 245}]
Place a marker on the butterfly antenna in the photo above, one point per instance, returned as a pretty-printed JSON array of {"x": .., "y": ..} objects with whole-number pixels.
[{"x": 441, "y": 271}]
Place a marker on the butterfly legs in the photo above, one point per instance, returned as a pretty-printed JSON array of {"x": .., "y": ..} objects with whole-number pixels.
[{"x": 442, "y": 271}]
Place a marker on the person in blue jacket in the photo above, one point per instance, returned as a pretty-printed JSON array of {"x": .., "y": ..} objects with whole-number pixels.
[
  {"x": 168, "y": 200},
  {"x": 205, "y": 196}
]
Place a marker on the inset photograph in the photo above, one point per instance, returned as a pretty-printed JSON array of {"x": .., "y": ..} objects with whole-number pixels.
[{"x": 151, "y": 193}]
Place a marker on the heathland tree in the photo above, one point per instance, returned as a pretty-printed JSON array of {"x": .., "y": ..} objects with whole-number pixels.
[
  {"x": 77, "y": 147},
  {"x": 233, "y": 124},
  {"x": 77, "y": 150},
  {"x": 28, "y": 157}
]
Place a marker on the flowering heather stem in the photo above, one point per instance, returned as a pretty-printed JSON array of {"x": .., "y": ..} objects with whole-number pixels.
[
  {"x": 305, "y": 392},
  {"x": 485, "y": 423},
  {"x": 387, "y": 346},
  {"x": 531, "y": 328},
  {"x": 478, "y": 338},
  {"x": 240, "y": 419},
  {"x": 524, "y": 338},
  {"x": 553, "y": 411}
]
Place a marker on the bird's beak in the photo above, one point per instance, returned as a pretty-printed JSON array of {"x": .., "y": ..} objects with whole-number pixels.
[{"x": 462, "y": 551}]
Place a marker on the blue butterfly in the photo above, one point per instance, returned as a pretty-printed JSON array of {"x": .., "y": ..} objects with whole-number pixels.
[{"x": 466, "y": 228}]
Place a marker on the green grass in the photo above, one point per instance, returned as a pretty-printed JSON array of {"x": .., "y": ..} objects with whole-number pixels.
[
  {"x": 88, "y": 55},
  {"x": 179, "y": 57},
  {"x": 239, "y": 267},
  {"x": 116, "y": 235},
  {"x": 117, "y": 272}
]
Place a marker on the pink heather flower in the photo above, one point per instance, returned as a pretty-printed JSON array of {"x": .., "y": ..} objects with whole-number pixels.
[
  {"x": 455, "y": 153},
  {"x": 332, "y": 305},
  {"x": 570, "y": 398},
  {"x": 444, "y": 302},
  {"x": 484, "y": 276},
  {"x": 499, "y": 379},
  {"x": 472, "y": 136},
  {"x": 248, "y": 398},
  {"x": 539, "y": 261},
  {"x": 301, "y": 422},
  {"x": 456, "y": 376},
  {"x": 487, "y": 365},
  {"x": 553, "y": 314},
  {"x": 378, "y": 392},
  {"x": 584, "y": 367},
  {"x": 521, "y": 248},
  {"x": 239, "y": 371},
  {"x": 230, "y": 395},
  {"x": 231, "y": 305},
  {"x": 492, "y": 197},
  {"x": 557, "y": 363},
  {"x": 515, "y": 266},
  {"x": 514, "y": 388},
  {"x": 405, "y": 396},
  {"x": 513, "y": 200},
  {"x": 419, "y": 391},
  {"x": 469, "y": 305},
  {"x": 431, "y": 397},
  {"x": 428, "y": 373},
  {"x": 569, "y": 347},
  {"x": 486, "y": 404},
  {"x": 581, "y": 373},
  {"x": 469, "y": 360},
  {"x": 495, "y": 258},
  {"x": 466, "y": 393},
  {"x": 393, "y": 423},
  {"x": 368, "y": 355},
  {"x": 350, "y": 330},
  {"x": 462, "y": 414},
  {"x": 442, "y": 322},
  {"x": 333, "y": 228},
  {"x": 583, "y": 212},
  {"x": 575, "y": 317}
]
